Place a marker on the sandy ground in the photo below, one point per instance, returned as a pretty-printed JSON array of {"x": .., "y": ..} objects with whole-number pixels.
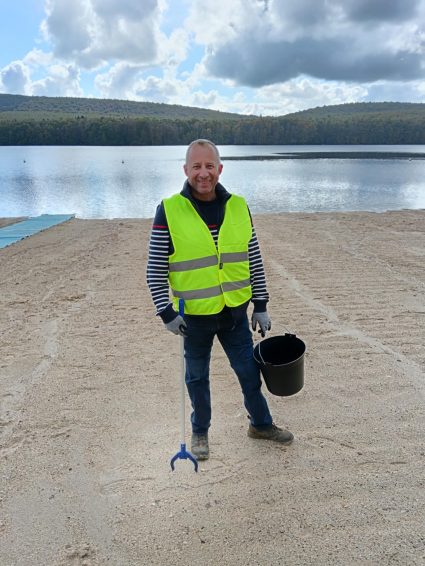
[{"x": 89, "y": 397}]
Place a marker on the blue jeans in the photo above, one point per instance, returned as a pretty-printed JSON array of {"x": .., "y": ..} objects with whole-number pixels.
[{"x": 236, "y": 339}]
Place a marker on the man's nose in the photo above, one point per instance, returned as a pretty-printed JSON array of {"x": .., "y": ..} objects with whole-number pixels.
[{"x": 203, "y": 172}]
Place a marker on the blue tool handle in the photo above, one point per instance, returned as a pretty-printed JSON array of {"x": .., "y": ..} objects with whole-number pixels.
[
  {"x": 184, "y": 455},
  {"x": 181, "y": 307}
]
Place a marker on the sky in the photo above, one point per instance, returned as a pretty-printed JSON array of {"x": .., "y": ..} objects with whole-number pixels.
[{"x": 263, "y": 57}]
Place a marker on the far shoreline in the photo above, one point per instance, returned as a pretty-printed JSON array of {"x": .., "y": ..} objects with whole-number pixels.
[{"x": 329, "y": 155}]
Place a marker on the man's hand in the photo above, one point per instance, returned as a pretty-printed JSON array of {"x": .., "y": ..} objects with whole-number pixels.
[
  {"x": 177, "y": 326},
  {"x": 263, "y": 320}
]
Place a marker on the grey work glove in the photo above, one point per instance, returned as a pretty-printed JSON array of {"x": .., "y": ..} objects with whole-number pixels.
[
  {"x": 177, "y": 326},
  {"x": 263, "y": 320}
]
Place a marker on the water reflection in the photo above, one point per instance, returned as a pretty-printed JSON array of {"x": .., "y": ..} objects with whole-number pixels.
[{"x": 108, "y": 182}]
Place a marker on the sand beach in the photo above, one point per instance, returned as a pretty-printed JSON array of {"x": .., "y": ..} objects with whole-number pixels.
[{"x": 89, "y": 405}]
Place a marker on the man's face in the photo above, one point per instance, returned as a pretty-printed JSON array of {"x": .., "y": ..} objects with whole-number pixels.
[{"x": 203, "y": 171}]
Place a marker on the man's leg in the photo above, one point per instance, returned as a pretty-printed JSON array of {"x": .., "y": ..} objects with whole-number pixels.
[
  {"x": 237, "y": 343},
  {"x": 197, "y": 346}
]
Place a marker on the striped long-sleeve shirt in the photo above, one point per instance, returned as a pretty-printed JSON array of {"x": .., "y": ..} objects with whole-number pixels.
[{"x": 161, "y": 247}]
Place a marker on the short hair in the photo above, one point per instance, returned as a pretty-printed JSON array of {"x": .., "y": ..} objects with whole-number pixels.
[{"x": 203, "y": 142}]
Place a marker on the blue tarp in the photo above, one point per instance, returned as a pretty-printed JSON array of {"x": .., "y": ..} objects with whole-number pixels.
[{"x": 15, "y": 232}]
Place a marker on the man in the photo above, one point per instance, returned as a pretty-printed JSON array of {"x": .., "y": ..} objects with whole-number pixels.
[{"x": 203, "y": 245}]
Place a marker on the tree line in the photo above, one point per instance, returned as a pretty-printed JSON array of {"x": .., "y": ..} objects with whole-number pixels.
[
  {"x": 44, "y": 121},
  {"x": 359, "y": 129}
]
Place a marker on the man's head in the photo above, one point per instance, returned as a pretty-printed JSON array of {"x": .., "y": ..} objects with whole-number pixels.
[{"x": 203, "y": 168}]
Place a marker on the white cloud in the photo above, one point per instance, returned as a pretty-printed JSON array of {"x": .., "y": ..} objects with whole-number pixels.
[
  {"x": 125, "y": 81},
  {"x": 174, "y": 49},
  {"x": 156, "y": 89},
  {"x": 205, "y": 99},
  {"x": 62, "y": 81},
  {"x": 128, "y": 81},
  {"x": 15, "y": 78},
  {"x": 270, "y": 42},
  {"x": 413, "y": 91},
  {"x": 93, "y": 33},
  {"x": 128, "y": 9},
  {"x": 215, "y": 23},
  {"x": 56, "y": 79},
  {"x": 69, "y": 26},
  {"x": 303, "y": 93},
  {"x": 119, "y": 81},
  {"x": 123, "y": 36},
  {"x": 37, "y": 58}
]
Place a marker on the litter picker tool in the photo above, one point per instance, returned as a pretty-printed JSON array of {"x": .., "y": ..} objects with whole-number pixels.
[{"x": 183, "y": 454}]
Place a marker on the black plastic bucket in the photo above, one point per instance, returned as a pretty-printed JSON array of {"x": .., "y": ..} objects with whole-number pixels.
[{"x": 281, "y": 361}]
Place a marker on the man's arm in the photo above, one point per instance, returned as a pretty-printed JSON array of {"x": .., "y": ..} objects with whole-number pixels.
[
  {"x": 157, "y": 268},
  {"x": 260, "y": 295}
]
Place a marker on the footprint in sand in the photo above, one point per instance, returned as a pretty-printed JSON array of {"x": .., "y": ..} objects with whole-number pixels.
[{"x": 80, "y": 556}]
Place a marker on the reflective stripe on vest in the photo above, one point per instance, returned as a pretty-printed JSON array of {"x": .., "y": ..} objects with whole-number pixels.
[
  {"x": 233, "y": 257},
  {"x": 194, "y": 263},
  {"x": 208, "y": 278}
]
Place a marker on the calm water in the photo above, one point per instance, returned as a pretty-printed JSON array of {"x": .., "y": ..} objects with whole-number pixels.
[{"x": 128, "y": 182}]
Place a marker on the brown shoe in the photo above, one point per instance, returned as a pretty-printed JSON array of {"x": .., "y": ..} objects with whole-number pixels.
[
  {"x": 272, "y": 432},
  {"x": 200, "y": 448}
]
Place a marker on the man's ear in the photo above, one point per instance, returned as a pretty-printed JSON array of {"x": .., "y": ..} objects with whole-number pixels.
[
  {"x": 185, "y": 169},
  {"x": 220, "y": 168}
]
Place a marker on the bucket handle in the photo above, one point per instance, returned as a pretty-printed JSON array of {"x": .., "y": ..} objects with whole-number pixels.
[
  {"x": 259, "y": 353},
  {"x": 288, "y": 333}
]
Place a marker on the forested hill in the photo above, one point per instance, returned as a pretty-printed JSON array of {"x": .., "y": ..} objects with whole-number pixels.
[
  {"x": 362, "y": 108},
  {"x": 78, "y": 121},
  {"x": 49, "y": 105}
]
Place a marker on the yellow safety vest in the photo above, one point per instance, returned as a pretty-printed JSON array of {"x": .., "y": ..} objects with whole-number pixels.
[{"x": 205, "y": 277}]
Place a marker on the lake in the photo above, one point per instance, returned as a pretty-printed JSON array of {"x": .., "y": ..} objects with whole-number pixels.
[{"x": 128, "y": 182}]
